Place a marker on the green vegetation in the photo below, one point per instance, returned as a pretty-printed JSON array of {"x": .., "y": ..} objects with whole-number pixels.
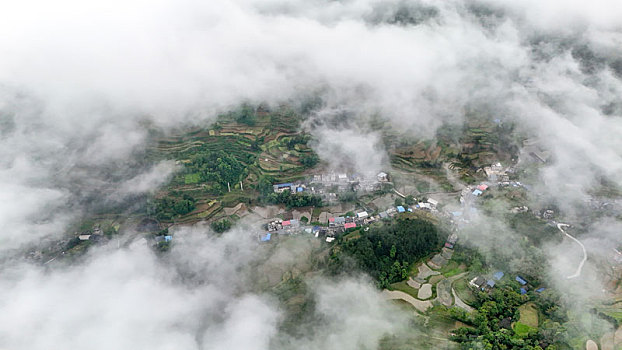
[
  {"x": 216, "y": 167},
  {"x": 192, "y": 178},
  {"x": 386, "y": 252},
  {"x": 169, "y": 207},
  {"x": 523, "y": 330},
  {"x": 221, "y": 226},
  {"x": 528, "y": 315},
  {"x": 294, "y": 200},
  {"x": 404, "y": 287},
  {"x": 237, "y": 160},
  {"x": 464, "y": 292},
  {"x": 309, "y": 160},
  {"x": 496, "y": 312}
]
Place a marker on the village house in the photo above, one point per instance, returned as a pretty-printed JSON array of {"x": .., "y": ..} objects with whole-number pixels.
[{"x": 478, "y": 282}]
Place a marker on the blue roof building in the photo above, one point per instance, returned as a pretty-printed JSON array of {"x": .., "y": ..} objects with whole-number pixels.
[
  {"x": 498, "y": 275},
  {"x": 410, "y": 210},
  {"x": 400, "y": 209},
  {"x": 168, "y": 238},
  {"x": 540, "y": 290},
  {"x": 490, "y": 283},
  {"x": 520, "y": 280},
  {"x": 477, "y": 192},
  {"x": 265, "y": 237},
  {"x": 523, "y": 291},
  {"x": 299, "y": 189},
  {"x": 283, "y": 185}
]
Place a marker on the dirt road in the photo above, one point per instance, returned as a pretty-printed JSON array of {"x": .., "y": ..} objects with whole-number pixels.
[
  {"x": 418, "y": 304},
  {"x": 580, "y": 267}
]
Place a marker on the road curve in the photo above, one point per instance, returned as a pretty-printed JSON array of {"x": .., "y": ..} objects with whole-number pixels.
[
  {"x": 580, "y": 267},
  {"x": 421, "y": 305}
]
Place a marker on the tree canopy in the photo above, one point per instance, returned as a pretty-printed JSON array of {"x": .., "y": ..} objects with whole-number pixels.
[{"x": 386, "y": 252}]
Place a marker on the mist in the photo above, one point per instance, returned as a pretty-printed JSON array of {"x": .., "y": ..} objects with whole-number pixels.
[{"x": 82, "y": 85}]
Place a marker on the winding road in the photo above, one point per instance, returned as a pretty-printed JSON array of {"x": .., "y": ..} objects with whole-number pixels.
[{"x": 580, "y": 267}]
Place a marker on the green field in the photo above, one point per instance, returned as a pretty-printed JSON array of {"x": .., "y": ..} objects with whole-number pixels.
[
  {"x": 464, "y": 292},
  {"x": 190, "y": 179},
  {"x": 522, "y": 329},
  {"x": 404, "y": 287},
  {"x": 528, "y": 321},
  {"x": 528, "y": 315}
]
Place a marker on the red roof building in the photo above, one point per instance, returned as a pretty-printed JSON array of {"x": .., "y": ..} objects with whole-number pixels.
[{"x": 349, "y": 225}]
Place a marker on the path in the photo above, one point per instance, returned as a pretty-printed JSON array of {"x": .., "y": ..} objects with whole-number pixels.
[
  {"x": 399, "y": 194},
  {"x": 422, "y": 306},
  {"x": 459, "y": 303},
  {"x": 578, "y": 273}
]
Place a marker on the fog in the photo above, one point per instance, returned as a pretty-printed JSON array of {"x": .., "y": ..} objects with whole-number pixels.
[
  {"x": 83, "y": 83},
  {"x": 199, "y": 297}
]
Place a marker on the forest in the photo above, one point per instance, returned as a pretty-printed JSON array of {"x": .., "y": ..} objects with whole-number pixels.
[
  {"x": 218, "y": 167},
  {"x": 294, "y": 200},
  {"x": 386, "y": 252},
  {"x": 496, "y": 324}
]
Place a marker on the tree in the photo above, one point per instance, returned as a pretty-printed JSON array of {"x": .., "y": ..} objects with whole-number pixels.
[
  {"x": 386, "y": 252},
  {"x": 398, "y": 201},
  {"x": 309, "y": 160},
  {"x": 409, "y": 200},
  {"x": 246, "y": 115},
  {"x": 221, "y": 226}
]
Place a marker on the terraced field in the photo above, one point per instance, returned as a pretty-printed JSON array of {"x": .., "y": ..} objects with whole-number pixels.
[{"x": 264, "y": 149}]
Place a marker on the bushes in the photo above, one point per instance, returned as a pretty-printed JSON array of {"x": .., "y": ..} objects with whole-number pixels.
[
  {"x": 168, "y": 207},
  {"x": 386, "y": 252},
  {"x": 294, "y": 200},
  {"x": 221, "y": 226},
  {"x": 309, "y": 160}
]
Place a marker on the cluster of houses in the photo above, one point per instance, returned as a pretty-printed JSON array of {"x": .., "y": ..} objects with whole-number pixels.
[
  {"x": 94, "y": 236},
  {"x": 283, "y": 227},
  {"x": 483, "y": 284},
  {"x": 329, "y": 185},
  {"x": 487, "y": 284},
  {"x": 339, "y": 224}
]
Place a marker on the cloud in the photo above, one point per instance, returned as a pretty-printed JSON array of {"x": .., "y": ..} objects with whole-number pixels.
[
  {"x": 198, "y": 297},
  {"x": 81, "y": 82},
  {"x": 354, "y": 149},
  {"x": 148, "y": 181}
]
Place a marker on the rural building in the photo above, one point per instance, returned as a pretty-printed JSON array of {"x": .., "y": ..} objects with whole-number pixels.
[
  {"x": 349, "y": 225},
  {"x": 521, "y": 280},
  {"x": 498, "y": 275},
  {"x": 265, "y": 237},
  {"x": 478, "y": 282},
  {"x": 382, "y": 177},
  {"x": 278, "y": 188},
  {"x": 400, "y": 209},
  {"x": 362, "y": 215},
  {"x": 84, "y": 237}
]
